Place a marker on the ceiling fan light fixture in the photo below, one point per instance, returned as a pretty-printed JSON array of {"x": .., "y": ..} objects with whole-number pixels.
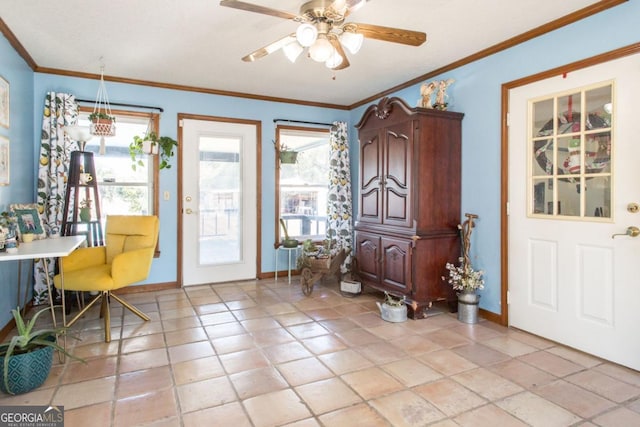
[
  {"x": 351, "y": 41},
  {"x": 306, "y": 34},
  {"x": 292, "y": 50},
  {"x": 321, "y": 49},
  {"x": 334, "y": 60}
]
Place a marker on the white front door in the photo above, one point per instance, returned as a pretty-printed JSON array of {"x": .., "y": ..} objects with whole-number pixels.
[
  {"x": 219, "y": 190},
  {"x": 570, "y": 181}
]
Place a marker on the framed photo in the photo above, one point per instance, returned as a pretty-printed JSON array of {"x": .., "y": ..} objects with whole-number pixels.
[
  {"x": 4, "y": 103},
  {"x": 4, "y": 161},
  {"x": 29, "y": 220}
]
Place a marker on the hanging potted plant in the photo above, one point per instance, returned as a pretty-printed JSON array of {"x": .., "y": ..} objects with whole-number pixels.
[
  {"x": 152, "y": 144},
  {"x": 25, "y": 361},
  {"x": 98, "y": 117},
  {"x": 285, "y": 154}
]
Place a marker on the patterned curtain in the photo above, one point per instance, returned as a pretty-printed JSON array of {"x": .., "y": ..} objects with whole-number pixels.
[
  {"x": 339, "y": 229},
  {"x": 60, "y": 109}
]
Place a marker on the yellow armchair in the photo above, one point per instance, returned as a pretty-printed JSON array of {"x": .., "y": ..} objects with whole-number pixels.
[{"x": 124, "y": 260}]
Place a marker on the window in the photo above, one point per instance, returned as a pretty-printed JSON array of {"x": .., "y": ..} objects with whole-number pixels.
[
  {"x": 301, "y": 187},
  {"x": 570, "y": 154},
  {"x": 124, "y": 191}
]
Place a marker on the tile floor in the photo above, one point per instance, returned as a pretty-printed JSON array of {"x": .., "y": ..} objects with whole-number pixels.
[{"x": 260, "y": 353}]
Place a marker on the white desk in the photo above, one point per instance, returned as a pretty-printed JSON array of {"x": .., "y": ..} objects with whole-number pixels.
[{"x": 45, "y": 248}]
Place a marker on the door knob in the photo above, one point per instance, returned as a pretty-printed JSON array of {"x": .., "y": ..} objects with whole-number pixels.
[
  {"x": 631, "y": 231},
  {"x": 189, "y": 211}
]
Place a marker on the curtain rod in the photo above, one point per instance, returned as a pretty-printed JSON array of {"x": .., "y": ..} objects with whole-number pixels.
[
  {"x": 303, "y": 122},
  {"x": 124, "y": 105}
]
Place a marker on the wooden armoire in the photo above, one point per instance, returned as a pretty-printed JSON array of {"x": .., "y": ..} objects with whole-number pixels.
[{"x": 406, "y": 229}]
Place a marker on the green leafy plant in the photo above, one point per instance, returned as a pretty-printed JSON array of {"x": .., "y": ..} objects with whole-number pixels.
[
  {"x": 8, "y": 221},
  {"x": 100, "y": 115},
  {"x": 86, "y": 203},
  {"x": 28, "y": 339},
  {"x": 393, "y": 301},
  {"x": 165, "y": 146}
]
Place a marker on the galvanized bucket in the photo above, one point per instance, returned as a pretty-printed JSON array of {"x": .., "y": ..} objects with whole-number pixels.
[{"x": 468, "y": 307}]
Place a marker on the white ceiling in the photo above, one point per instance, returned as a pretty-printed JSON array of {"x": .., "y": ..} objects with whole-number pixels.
[{"x": 198, "y": 43}]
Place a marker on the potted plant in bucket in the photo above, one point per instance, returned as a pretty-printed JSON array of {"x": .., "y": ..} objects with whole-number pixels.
[
  {"x": 393, "y": 309},
  {"x": 25, "y": 361},
  {"x": 464, "y": 278}
]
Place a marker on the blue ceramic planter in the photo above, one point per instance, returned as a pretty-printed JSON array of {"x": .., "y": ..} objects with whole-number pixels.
[{"x": 27, "y": 371}]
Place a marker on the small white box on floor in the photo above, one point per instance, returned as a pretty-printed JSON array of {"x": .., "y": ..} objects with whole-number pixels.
[{"x": 350, "y": 286}]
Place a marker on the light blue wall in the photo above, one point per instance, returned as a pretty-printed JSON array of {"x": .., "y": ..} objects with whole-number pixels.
[
  {"x": 476, "y": 92},
  {"x": 173, "y": 102},
  {"x": 20, "y": 134}
]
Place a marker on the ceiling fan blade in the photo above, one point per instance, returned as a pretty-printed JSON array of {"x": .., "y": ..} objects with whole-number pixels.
[
  {"x": 250, "y": 7},
  {"x": 270, "y": 48},
  {"x": 388, "y": 34},
  {"x": 345, "y": 61}
]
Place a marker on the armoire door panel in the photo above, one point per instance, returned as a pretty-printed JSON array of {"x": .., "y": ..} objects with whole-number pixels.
[
  {"x": 396, "y": 265},
  {"x": 368, "y": 258}
]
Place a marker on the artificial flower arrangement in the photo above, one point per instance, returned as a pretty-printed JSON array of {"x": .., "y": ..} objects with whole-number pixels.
[{"x": 463, "y": 277}]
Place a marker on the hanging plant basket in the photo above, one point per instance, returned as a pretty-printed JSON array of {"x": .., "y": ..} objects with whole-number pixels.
[
  {"x": 102, "y": 122},
  {"x": 288, "y": 157}
]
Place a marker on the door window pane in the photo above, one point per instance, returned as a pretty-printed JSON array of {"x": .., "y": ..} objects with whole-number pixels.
[{"x": 570, "y": 154}]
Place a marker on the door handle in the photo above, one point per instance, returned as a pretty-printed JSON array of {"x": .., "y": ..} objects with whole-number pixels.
[
  {"x": 632, "y": 231},
  {"x": 189, "y": 211}
]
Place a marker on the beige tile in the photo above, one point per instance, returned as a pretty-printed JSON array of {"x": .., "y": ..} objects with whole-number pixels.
[
  {"x": 243, "y": 361},
  {"x": 324, "y": 344},
  {"x": 389, "y": 331},
  {"x": 411, "y": 372},
  {"x": 358, "y": 337},
  {"x": 415, "y": 345},
  {"x": 184, "y": 336},
  {"x": 190, "y": 351},
  {"x": 446, "y": 339},
  {"x": 290, "y": 319},
  {"x": 406, "y": 409},
  {"x": 307, "y": 330},
  {"x": 537, "y": 411},
  {"x": 140, "y": 329},
  {"x": 98, "y": 349},
  {"x": 575, "y": 399},
  {"x": 257, "y": 381},
  {"x": 327, "y": 395},
  {"x": 241, "y": 304},
  {"x": 93, "y": 368},
  {"x": 85, "y": 393},
  {"x": 339, "y": 325},
  {"x": 232, "y": 414},
  {"x": 276, "y": 409},
  {"x": 304, "y": 371},
  {"x": 253, "y": 325},
  {"x": 225, "y": 330},
  {"x": 250, "y": 313},
  {"x": 181, "y": 323},
  {"x": 323, "y": 314},
  {"x": 345, "y": 361},
  {"x": 551, "y": 363},
  {"x": 605, "y": 386},
  {"x": 205, "y": 394},
  {"x": 217, "y": 318},
  {"x": 449, "y": 396},
  {"x": 522, "y": 373},
  {"x": 372, "y": 382},
  {"x": 233, "y": 343},
  {"x": 487, "y": 384},
  {"x": 145, "y": 342},
  {"x": 286, "y": 352},
  {"x": 618, "y": 417},
  {"x": 99, "y": 414},
  {"x": 143, "y": 360},
  {"x": 363, "y": 413},
  {"x": 447, "y": 362},
  {"x": 197, "y": 370},
  {"x": 621, "y": 373},
  {"x": 382, "y": 352},
  {"x": 488, "y": 416},
  {"x": 141, "y": 382},
  {"x": 481, "y": 354},
  {"x": 146, "y": 408},
  {"x": 508, "y": 345},
  {"x": 210, "y": 308},
  {"x": 271, "y": 337}
]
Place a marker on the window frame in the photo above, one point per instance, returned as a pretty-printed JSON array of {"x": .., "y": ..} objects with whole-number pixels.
[{"x": 279, "y": 130}]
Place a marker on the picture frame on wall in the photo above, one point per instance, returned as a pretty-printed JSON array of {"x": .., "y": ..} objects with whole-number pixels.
[
  {"x": 29, "y": 220},
  {"x": 4, "y": 103},
  {"x": 4, "y": 161}
]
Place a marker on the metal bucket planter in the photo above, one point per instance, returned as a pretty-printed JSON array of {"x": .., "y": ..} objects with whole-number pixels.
[
  {"x": 392, "y": 313},
  {"x": 468, "y": 307}
]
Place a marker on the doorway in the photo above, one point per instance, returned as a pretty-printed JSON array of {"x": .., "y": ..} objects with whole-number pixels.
[
  {"x": 219, "y": 200},
  {"x": 572, "y": 180}
]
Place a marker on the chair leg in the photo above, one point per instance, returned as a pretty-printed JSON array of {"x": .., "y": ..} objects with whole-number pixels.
[
  {"x": 131, "y": 308},
  {"x": 84, "y": 310},
  {"x": 104, "y": 310}
]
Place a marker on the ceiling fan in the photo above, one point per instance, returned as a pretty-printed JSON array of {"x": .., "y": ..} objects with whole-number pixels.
[{"x": 324, "y": 31}]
